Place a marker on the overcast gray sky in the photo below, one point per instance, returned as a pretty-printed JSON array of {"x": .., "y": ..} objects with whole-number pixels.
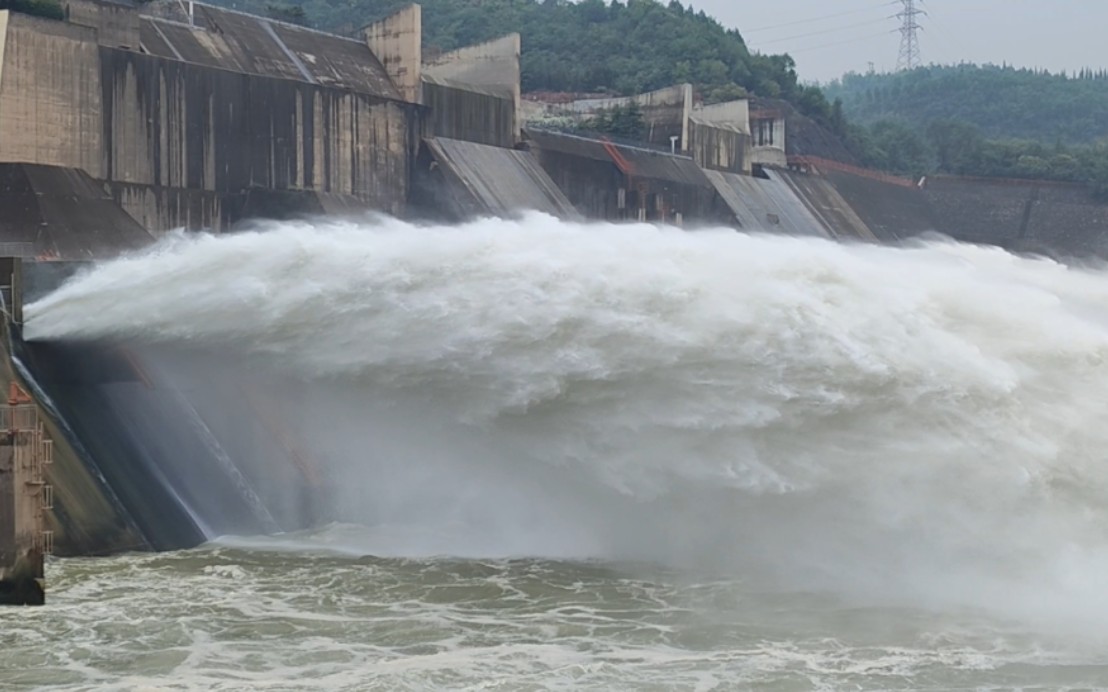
[{"x": 1055, "y": 34}]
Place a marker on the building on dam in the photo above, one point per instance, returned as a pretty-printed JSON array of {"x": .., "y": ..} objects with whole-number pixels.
[{"x": 123, "y": 121}]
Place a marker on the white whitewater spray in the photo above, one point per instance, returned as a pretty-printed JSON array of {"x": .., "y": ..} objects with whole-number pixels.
[{"x": 927, "y": 422}]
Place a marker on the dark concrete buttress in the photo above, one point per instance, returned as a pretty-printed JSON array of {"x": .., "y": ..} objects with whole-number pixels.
[{"x": 25, "y": 496}]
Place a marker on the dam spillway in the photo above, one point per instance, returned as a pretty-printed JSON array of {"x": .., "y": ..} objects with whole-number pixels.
[
  {"x": 146, "y": 452},
  {"x": 630, "y": 392}
]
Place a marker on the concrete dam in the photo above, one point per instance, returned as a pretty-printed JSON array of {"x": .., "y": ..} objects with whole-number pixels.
[{"x": 125, "y": 127}]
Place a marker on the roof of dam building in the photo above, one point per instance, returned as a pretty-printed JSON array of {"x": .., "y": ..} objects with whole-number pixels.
[
  {"x": 503, "y": 91},
  {"x": 500, "y": 181},
  {"x": 230, "y": 40},
  {"x": 636, "y": 161},
  {"x": 62, "y": 213}
]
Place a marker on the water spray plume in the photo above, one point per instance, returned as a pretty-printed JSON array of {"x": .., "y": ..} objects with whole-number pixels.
[{"x": 922, "y": 422}]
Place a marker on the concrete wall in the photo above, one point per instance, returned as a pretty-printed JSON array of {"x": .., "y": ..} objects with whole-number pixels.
[
  {"x": 176, "y": 125},
  {"x": 769, "y": 206},
  {"x": 481, "y": 180},
  {"x": 719, "y": 147},
  {"x": 4, "y": 16},
  {"x": 137, "y": 120},
  {"x": 1060, "y": 220},
  {"x": 980, "y": 211},
  {"x": 50, "y": 108},
  {"x": 492, "y": 66},
  {"x": 1021, "y": 215},
  {"x": 165, "y": 208},
  {"x": 825, "y": 203},
  {"x": 593, "y": 187},
  {"x": 10, "y": 552},
  {"x": 62, "y": 213},
  {"x": 86, "y": 518},
  {"x": 228, "y": 40},
  {"x": 665, "y": 112},
  {"x": 469, "y": 114},
  {"x": 768, "y": 146},
  {"x": 25, "y": 456},
  {"x": 21, "y": 523},
  {"x": 890, "y": 211},
  {"x": 736, "y": 113},
  {"x": 1067, "y": 220},
  {"x": 116, "y": 24},
  {"x": 397, "y": 43},
  {"x": 616, "y": 182}
]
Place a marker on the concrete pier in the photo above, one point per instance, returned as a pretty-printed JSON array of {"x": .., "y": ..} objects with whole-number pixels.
[{"x": 25, "y": 499}]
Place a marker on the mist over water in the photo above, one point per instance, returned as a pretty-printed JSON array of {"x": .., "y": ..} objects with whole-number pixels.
[{"x": 920, "y": 425}]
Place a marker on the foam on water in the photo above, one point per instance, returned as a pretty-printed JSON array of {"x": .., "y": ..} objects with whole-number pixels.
[
  {"x": 919, "y": 425},
  {"x": 225, "y": 618}
]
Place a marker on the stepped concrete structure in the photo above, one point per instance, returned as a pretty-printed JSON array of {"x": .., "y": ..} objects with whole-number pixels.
[
  {"x": 491, "y": 68},
  {"x": 765, "y": 205},
  {"x": 620, "y": 182},
  {"x": 397, "y": 42},
  {"x": 478, "y": 180},
  {"x": 52, "y": 212}
]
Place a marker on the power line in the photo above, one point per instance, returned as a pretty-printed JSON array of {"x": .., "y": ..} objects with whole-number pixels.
[
  {"x": 824, "y": 31},
  {"x": 856, "y": 39},
  {"x": 909, "y": 35},
  {"x": 821, "y": 18}
]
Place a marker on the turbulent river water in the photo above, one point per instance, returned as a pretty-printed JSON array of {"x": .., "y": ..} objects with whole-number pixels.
[{"x": 598, "y": 457}]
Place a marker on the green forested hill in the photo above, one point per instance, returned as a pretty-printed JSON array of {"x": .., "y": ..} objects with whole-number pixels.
[
  {"x": 623, "y": 47},
  {"x": 1002, "y": 102},
  {"x": 982, "y": 121}
]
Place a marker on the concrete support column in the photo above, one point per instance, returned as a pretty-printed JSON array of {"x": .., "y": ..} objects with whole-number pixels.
[
  {"x": 397, "y": 41},
  {"x": 24, "y": 499}
]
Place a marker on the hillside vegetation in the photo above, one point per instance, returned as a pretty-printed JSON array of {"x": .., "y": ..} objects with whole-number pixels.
[
  {"x": 51, "y": 9},
  {"x": 1002, "y": 102},
  {"x": 980, "y": 121}
]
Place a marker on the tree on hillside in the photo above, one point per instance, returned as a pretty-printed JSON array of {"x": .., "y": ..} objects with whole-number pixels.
[
  {"x": 51, "y": 9},
  {"x": 954, "y": 142},
  {"x": 293, "y": 14},
  {"x": 899, "y": 148},
  {"x": 620, "y": 121}
]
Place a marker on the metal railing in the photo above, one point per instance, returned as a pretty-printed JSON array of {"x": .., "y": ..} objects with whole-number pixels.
[
  {"x": 33, "y": 455},
  {"x": 829, "y": 165},
  {"x": 32, "y": 452},
  {"x": 20, "y": 418},
  {"x": 44, "y": 542},
  {"x": 14, "y": 249}
]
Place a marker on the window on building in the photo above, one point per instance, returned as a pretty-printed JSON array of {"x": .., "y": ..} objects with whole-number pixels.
[{"x": 765, "y": 132}]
